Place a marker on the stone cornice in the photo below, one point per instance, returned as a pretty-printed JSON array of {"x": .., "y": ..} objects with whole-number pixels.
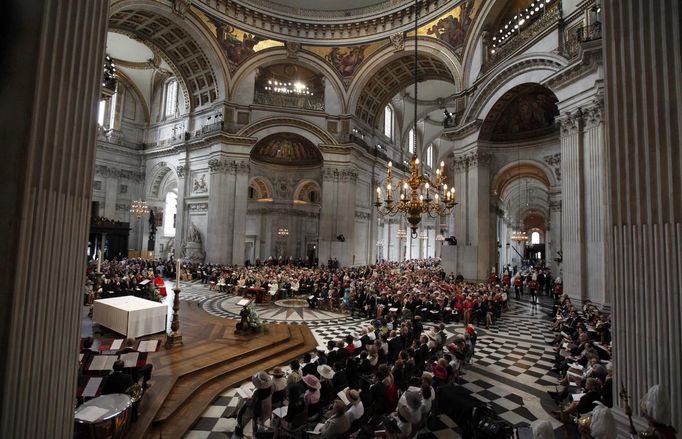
[
  {"x": 123, "y": 174},
  {"x": 225, "y": 166},
  {"x": 340, "y": 174},
  {"x": 462, "y": 131},
  {"x": 283, "y": 211},
  {"x": 335, "y": 27}
]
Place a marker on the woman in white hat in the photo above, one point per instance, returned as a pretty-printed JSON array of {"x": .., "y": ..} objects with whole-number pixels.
[
  {"x": 655, "y": 408},
  {"x": 327, "y": 393},
  {"x": 356, "y": 409},
  {"x": 261, "y": 401}
]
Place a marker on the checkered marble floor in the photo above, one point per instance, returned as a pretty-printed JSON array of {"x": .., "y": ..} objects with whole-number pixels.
[{"x": 510, "y": 371}]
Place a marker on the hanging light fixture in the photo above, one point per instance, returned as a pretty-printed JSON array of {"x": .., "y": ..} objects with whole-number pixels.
[
  {"x": 139, "y": 208},
  {"x": 415, "y": 195},
  {"x": 402, "y": 234}
]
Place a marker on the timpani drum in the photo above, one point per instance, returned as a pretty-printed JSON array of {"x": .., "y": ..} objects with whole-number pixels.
[{"x": 104, "y": 417}]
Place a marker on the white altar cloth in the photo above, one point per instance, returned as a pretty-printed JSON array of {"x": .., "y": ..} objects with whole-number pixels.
[{"x": 130, "y": 315}]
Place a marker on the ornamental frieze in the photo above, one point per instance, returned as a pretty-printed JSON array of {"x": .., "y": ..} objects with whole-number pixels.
[
  {"x": 340, "y": 174},
  {"x": 123, "y": 174},
  {"x": 471, "y": 160},
  {"x": 224, "y": 166},
  {"x": 198, "y": 207}
]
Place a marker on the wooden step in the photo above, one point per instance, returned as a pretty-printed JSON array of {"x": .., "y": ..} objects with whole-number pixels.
[{"x": 176, "y": 417}]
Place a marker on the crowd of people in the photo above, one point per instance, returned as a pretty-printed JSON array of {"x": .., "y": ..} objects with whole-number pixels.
[{"x": 381, "y": 377}]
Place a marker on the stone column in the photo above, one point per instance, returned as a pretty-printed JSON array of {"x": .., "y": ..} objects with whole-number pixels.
[
  {"x": 49, "y": 100},
  {"x": 328, "y": 220},
  {"x": 553, "y": 233},
  {"x": 241, "y": 189},
  {"x": 596, "y": 205},
  {"x": 220, "y": 211},
  {"x": 643, "y": 104},
  {"x": 182, "y": 171},
  {"x": 572, "y": 214},
  {"x": 474, "y": 254}
]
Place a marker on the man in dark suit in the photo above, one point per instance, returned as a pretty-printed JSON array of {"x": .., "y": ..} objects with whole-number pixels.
[
  {"x": 135, "y": 372},
  {"x": 117, "y": 381}
]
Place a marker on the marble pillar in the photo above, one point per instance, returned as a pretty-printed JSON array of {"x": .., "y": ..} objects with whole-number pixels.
[
  {"x": 474, "y": 226},
  {"x": 643, "y": 110},
  {"x": 182, "y": 214},
  {"x": 241, "y": 192},
  {"x": 337, "y": 216},
  {"x": 218, "y": 243},
  {"x": 553, "y": 234},
  {"x": 572, "y": 214},
  {"x": 50, "y": 97}
]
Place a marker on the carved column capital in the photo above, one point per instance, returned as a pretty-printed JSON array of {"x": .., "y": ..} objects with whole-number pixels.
[
  {"x": 593, "y": 113},
  {"x": 554, "y": 161},
  {"x": 221, "y": 166},
  {"x": 571, "y": 121}
]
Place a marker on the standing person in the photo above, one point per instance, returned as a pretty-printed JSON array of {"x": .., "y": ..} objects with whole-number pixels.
[
  {"x": 533, "y": 287},
  {"x": 518, "y": 287}
]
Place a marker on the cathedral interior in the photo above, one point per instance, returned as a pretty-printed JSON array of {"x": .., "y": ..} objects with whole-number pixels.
[{"x": 252, "y": 131}]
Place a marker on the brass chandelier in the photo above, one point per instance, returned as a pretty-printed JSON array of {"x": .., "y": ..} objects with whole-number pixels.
[
  {"x": 416, "y": 195},
  {"x": 519, "y": 237},
  {"x": 139, "y": 208}
]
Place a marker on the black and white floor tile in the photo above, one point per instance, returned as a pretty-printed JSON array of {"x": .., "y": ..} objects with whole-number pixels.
[{"x": 510, "y": 370}]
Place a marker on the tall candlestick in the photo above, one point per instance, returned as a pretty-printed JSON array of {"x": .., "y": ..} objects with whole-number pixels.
[
  {"x": 99, "y": 261},
  {"x": 177, "y": 274}
]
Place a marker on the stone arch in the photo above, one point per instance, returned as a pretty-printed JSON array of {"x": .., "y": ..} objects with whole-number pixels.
[
  {"x": 527, "y": 68},
  {"x": 262, "y": 187},
  {"x": 386, "y": 72},
  {"x": 263, "y": 127},
  {"x": 183, "y": 42},
  {"x": 519, "y": 170},
  {"x": 279, "y": 55},
  {"x": 158, "y": 178},
  {"x": 304, "y": 188},
  {"x": 506, "y": 122}
]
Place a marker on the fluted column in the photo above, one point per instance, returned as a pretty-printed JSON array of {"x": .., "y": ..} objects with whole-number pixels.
[
  {"x": 595, "y": 203},
  {"x": 241, "y": 192},
  {"x": 553, "y": 235},
  {"x": 182, "y": 171},
  {"x": 220, "y": 230},
  {"x": 643, "y": 73},
  {"x": 49, "y": 99},
  {"x": 572, "y": 213}
]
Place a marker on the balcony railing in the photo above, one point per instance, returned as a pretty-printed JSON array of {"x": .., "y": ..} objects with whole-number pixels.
[{"x": 583, "y": 34}]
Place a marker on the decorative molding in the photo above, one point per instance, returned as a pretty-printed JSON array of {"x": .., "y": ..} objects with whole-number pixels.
[
  {"x": 570, "y": 121},
  {"x": 462, "y": 130},
  {"x": 555, "y": 205},
  {"x": 180, "y": 7},
  {"x": 197, "y": 207},
  {"x": 283, "y": 211},
  {"x": 340, "y": 174},
  {"x": 250, "y": 130},
  {"x": 199, "y": 182},
  {"x": 224, "y": 165},
  {"x": 593, "y": 113},
  {"x": 123, "y": 174},
  {"x": 180, "y": 170},
  {"x": 122, "y": 207},
  {"x": 554, "y": 161},
  {"x": 293, "y": 48},
  {"x": 363, "y": 215},
  {"x": 398, "y": 41}
]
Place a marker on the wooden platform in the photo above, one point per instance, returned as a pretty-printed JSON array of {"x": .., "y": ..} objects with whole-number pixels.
[{"x": 186, "y": 379}]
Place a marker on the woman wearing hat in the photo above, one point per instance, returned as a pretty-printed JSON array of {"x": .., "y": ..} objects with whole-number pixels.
[
  {"x": 279, "y": 386},
  {"x": 261, "y": 401},
  {"x": 356, "y": 409},
  {"x": 311, "y": 397},
  {"x": 327, "y": 393}
]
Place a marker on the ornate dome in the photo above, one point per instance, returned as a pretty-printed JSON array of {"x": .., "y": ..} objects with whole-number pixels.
[{"x": 286, "y": 149}]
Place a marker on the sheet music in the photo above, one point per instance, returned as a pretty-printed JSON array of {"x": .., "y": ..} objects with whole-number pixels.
[
  {"x": 342, "y": 396},
  {"x": 116, "y": 345},
  {"x": 317, "y": 430},
  {"x": 577, "y": 396},
  {"x": 281, "y": 412},
  {"x": 91, "y": 388},
  {"x": 244, "y": 302},
  {"x": 245, "y": 393},
  {"x": 102, "y": 362},
  {"x": 129, "y": 359},
  {"x": 91, "y": 413},
  {"x": 148, "y": 346}
]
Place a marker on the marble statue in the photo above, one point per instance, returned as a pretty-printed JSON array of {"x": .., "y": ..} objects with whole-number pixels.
[{"x": 193, "y": 248}]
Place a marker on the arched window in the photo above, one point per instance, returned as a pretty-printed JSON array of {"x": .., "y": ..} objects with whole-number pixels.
[
  {"x": 411, "y": 147},
  {"x": 169, "y": 213},
  {"x": 535, "y": 238},
  {"x": 429, "y": 156},
  {"x": 171, "y": 98},
  {"x": 388, "y": 122}
]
